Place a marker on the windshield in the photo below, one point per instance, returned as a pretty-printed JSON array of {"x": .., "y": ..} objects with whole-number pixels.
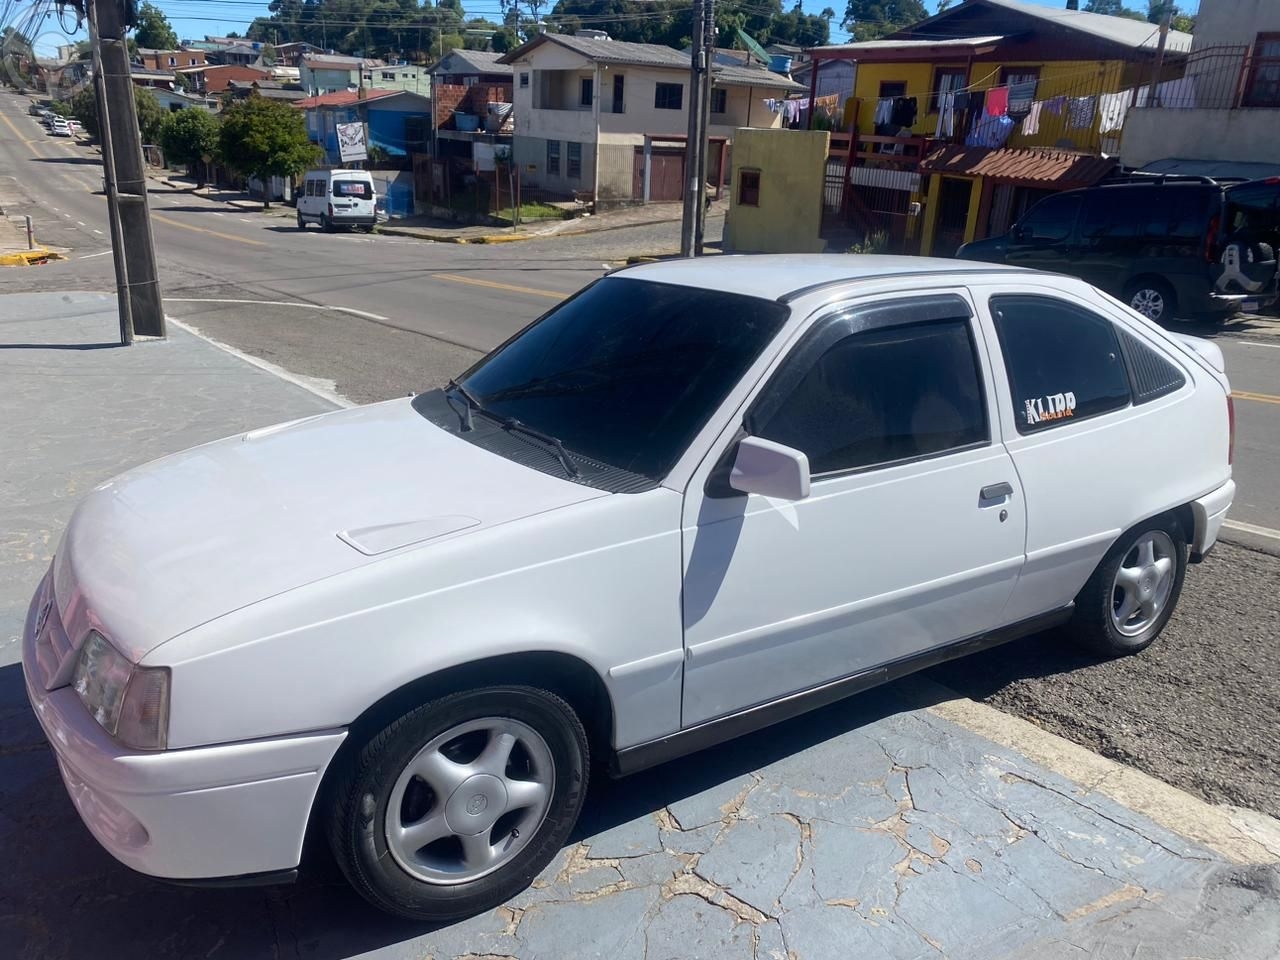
[{"x": 628, "y": 371}]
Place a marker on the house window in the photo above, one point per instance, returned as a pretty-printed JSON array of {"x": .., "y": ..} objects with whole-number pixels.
[
  {"x": 524, "y": 81},
  {"x": 619, "y": 88},
  {"x": 668, "y": 96},
  {"x": 945, "y": 80},
  {"x": 173, "y": 61},
  {"x": 719, "y": 100},
  {"x": 192, "y": 63},
  {"x": 553, "y": 157},
  {"x": 573, "y": 164},
  {"x": 748, "y": 188},
  {"x": 892, "y": 88},
  {"x": 1263, "y": 86},
  {"x": 389, "y": 75},
  {"x": 470, "y": 81},
  {"x": 1010, "y": 75},
  {"x": 585, "y": 90}
]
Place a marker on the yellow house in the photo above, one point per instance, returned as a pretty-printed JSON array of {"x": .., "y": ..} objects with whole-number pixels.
[{"x": 1031, "y": 92}]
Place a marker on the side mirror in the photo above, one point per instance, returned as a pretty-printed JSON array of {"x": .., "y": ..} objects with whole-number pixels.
[
  {"x": 770, "y": 469},
  {"x": 1018, "y": 234}
]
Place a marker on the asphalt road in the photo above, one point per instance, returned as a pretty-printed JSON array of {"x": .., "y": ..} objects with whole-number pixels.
[{"x": 376, "y": 317}]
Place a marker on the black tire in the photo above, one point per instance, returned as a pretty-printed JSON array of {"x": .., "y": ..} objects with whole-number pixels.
[
  {"x": 355, "y": 807},
  {"x": 1153, "y": 298},
  {"x": 326, "y": 224},
  {"x": 302, "y": 224},
  {"x": 1092, "y": 624}
]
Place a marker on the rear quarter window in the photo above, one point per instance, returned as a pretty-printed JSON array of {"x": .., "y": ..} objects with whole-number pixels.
[{"x": 1064, "y": 362}]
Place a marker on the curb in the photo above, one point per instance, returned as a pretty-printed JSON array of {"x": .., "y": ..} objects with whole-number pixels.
[{"x": 29, "y": 258}]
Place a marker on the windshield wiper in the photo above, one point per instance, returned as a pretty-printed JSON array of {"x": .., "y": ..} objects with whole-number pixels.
[
  {"x": 515, "y": 426},
  {"x": 469, "y": 403}
]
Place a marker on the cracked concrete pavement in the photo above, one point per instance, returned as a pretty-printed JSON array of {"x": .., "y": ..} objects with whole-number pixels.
[{"x": 883, "y": 827}]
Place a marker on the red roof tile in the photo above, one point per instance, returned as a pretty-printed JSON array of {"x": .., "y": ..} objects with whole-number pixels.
[
  {"x": 1062, "y": 168},
  {"x": 343, "y": 98}
]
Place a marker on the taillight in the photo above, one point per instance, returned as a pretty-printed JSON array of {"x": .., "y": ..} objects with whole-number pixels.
[
  {"x": 331, "y": 209},
  {"x": 1231, "y": 429},
  {"x": 1211, "y": 241}
]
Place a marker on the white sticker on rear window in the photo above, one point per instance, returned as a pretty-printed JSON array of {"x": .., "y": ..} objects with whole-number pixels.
[{"x": 1056, "y": 406}]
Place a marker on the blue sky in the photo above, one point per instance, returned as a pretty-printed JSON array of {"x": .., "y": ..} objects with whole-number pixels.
[{"x": 193, "y": 19}]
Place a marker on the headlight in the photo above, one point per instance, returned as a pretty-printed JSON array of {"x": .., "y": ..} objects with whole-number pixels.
[{"x": 130, "y": 702}]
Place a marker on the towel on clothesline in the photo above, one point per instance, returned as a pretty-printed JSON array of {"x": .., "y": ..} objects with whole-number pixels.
[
  {"x": 1031, "y": 122},
  {"x": 1056, "y": 104},
  {"x": 1021, "y": 96},
  {"x": 997, "y": 101},
  {"x": 989, "y": 131},
  {"x": 1112, "y": 108},
  {"x": 1080, "y": 113}
]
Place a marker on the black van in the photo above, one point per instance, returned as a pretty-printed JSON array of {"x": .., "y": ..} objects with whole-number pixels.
[{"x": 1167, "y": 246}]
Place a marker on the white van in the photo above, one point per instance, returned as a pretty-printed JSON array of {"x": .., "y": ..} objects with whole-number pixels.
[{"x": 337, "y": 198}]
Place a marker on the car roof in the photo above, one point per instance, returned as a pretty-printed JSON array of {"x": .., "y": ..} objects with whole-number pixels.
[{"x": 786, "y": 276}]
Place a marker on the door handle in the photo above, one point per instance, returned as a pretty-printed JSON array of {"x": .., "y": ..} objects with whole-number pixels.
[{"x": 996, "y": 491}]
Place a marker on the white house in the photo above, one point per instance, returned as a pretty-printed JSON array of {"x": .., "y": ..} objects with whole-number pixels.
[
  {"x": 589, "y": 111},
  {"x": 1223, "y": 117}
]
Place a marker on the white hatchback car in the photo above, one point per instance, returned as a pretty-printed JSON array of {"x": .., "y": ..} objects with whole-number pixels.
[{"x": 696, "y": 498}]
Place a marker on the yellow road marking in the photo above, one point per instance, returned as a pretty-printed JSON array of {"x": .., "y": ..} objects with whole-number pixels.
[
  {"x": 77, "y": 182},
  {"x": 9, "y": 123},
  {"x": 212, "y": 233},
  {"x": 1260, "y": 397},
  {"x": 474, "y": 281}
]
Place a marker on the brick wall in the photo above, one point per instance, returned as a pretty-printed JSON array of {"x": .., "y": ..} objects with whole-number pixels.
[{"x": 448, "y": 97}]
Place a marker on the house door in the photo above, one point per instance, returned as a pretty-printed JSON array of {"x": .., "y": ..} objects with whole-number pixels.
[
  {"x": 953, "y": 216},
  {"x": 666, "y": 178}
]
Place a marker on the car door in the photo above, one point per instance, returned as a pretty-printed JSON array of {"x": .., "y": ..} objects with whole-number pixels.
[
  {"x": 1042, "y": 240},
  {"x": 1111, "y": 226},
  {"x": 1092, "y": 462},
  {"x": 911, "y": 536}
]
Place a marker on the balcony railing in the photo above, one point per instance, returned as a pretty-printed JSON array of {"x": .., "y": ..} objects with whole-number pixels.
[{"x": 1227, "y": 77}]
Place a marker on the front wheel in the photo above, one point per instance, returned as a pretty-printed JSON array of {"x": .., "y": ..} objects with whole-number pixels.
[
  {"x": 1131, "y": 596},
  {"x": 456, "y": 806},
  {"x": 302, "y": 224}
]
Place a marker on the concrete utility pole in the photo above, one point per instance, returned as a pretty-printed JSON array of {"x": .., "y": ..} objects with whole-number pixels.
[
  {"x": 141, "y": 310},
  {"x": 693, "y": 142},
  {"x": 1166, "y": 20},
  {"x": 704, "y": 120}
]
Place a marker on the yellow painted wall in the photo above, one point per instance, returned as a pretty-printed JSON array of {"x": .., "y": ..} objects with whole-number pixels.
[
  {"x": 789, "y": 217},
  {"x": 1067, "y": 78}
]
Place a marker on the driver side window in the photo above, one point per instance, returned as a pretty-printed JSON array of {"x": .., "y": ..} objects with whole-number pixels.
[
  {"x": 884, "y": 396},
  {"x": 1050, "y": 221}
]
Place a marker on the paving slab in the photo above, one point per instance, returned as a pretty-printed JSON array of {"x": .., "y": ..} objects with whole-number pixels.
[{"x": 873, "y": 828}]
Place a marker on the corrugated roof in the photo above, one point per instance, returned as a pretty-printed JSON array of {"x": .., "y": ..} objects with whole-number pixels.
[
  {"x": 875, "y": 45},
  {"x": 751, "y": 77},
  {"x": 344, "y": 98},
  {"x": 471, "y": 61},
  {"x": 1063, "y": 168},
  {"x": 1137, "y": 34}
]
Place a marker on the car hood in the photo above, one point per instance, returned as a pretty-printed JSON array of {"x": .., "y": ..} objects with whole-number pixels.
[
  {"x": 990, "y": 250},
  {"x": 178, "y": 542}
]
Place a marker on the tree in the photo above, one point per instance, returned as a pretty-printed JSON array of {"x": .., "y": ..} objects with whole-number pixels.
[
  {"x": 942, "y": 5},
  {"x": 266, "y": 138},
  {"x": 871, "y": 19},
  {"x": 189, "y": 136},
  {"x": 153, "y": 30},
  {"x": 84, "y": 107},
  {"x": 1183, "y": 22}
]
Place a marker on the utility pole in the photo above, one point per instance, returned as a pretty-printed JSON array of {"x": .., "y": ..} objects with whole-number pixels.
[
  {"x": 704, "y": 119},
  {"x": 1166, "y": 19},
  {"x": 689, "y": 220},
  {"x": 141, "y": 310}
]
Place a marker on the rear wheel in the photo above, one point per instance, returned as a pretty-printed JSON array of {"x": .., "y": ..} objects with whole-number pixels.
[
  {"x": 456, "y": 806},
  {"x": 1132, "y": 594},
  {"x": 1153, "y": 298},
  {"x": 326, "y": 224}
]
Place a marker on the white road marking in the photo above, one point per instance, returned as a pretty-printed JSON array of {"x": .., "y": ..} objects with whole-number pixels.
[
  {"x": 217, "y": 214},
  {"x": 1255, "y": 343},
  {"x": 242, "y": 219},
  {"x": 1253, "y": 528},
  {"x": 281, "y": 303},
  {"x": 310, "y": 384},
  {"x": 97, "y": 231},
  {"x": 90, "y": 256},
  {"x": 80, "y": 223}
]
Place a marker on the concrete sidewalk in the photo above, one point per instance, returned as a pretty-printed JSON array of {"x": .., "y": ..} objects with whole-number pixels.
[{"x": 882, "y": 827}]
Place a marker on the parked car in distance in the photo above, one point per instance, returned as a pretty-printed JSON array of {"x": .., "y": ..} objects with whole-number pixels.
[
  {"x": 35, "y": 109},
  {"x": 337, "y": 198},
  {"x": 694, "y": 499},
  {"x": 60, "y": 127},
  {"x": 1170, "y": 247},
  {"x": 74, "y": 126}
]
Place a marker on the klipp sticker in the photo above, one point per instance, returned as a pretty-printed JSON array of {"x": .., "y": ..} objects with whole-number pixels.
[{"x": 1056, "y": 406}]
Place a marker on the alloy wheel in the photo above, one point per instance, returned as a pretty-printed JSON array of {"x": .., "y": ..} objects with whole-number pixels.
[
  {"x": 470, "y": 800},
  {"x": 1143, "y": 583},
  {"x": 1149, "y": 302}
]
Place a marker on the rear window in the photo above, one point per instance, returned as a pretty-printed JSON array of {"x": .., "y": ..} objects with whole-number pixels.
[{"x": 352, "y": 188}]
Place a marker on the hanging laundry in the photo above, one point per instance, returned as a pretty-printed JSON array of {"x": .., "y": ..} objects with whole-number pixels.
[
  {"x": 1080, "y": 112},
  {"x": 904, "y": 112},
  {"x": 775, "y": 106},
  {"x": 989, "y": 131},
  {"x": 792, "y": 111},
  {"x": 997, "y": 101},
  {"x": 1021, "y": 96},
  {"x": 1180, "y": 93},
  {"x": 946, "y": 116},
  {"x": 1112, "y": 108},
  {"x": 884, "y": 110},
  {"x": 1055, "y": 105},
  {"x": 1031, "y": 123}
]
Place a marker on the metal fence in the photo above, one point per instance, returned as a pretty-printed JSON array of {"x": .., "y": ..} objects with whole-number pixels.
[{"x": 1223, "y": 77}]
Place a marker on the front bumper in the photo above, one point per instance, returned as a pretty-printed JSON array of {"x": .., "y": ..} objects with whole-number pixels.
[{"x": 193, "y": 814}]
